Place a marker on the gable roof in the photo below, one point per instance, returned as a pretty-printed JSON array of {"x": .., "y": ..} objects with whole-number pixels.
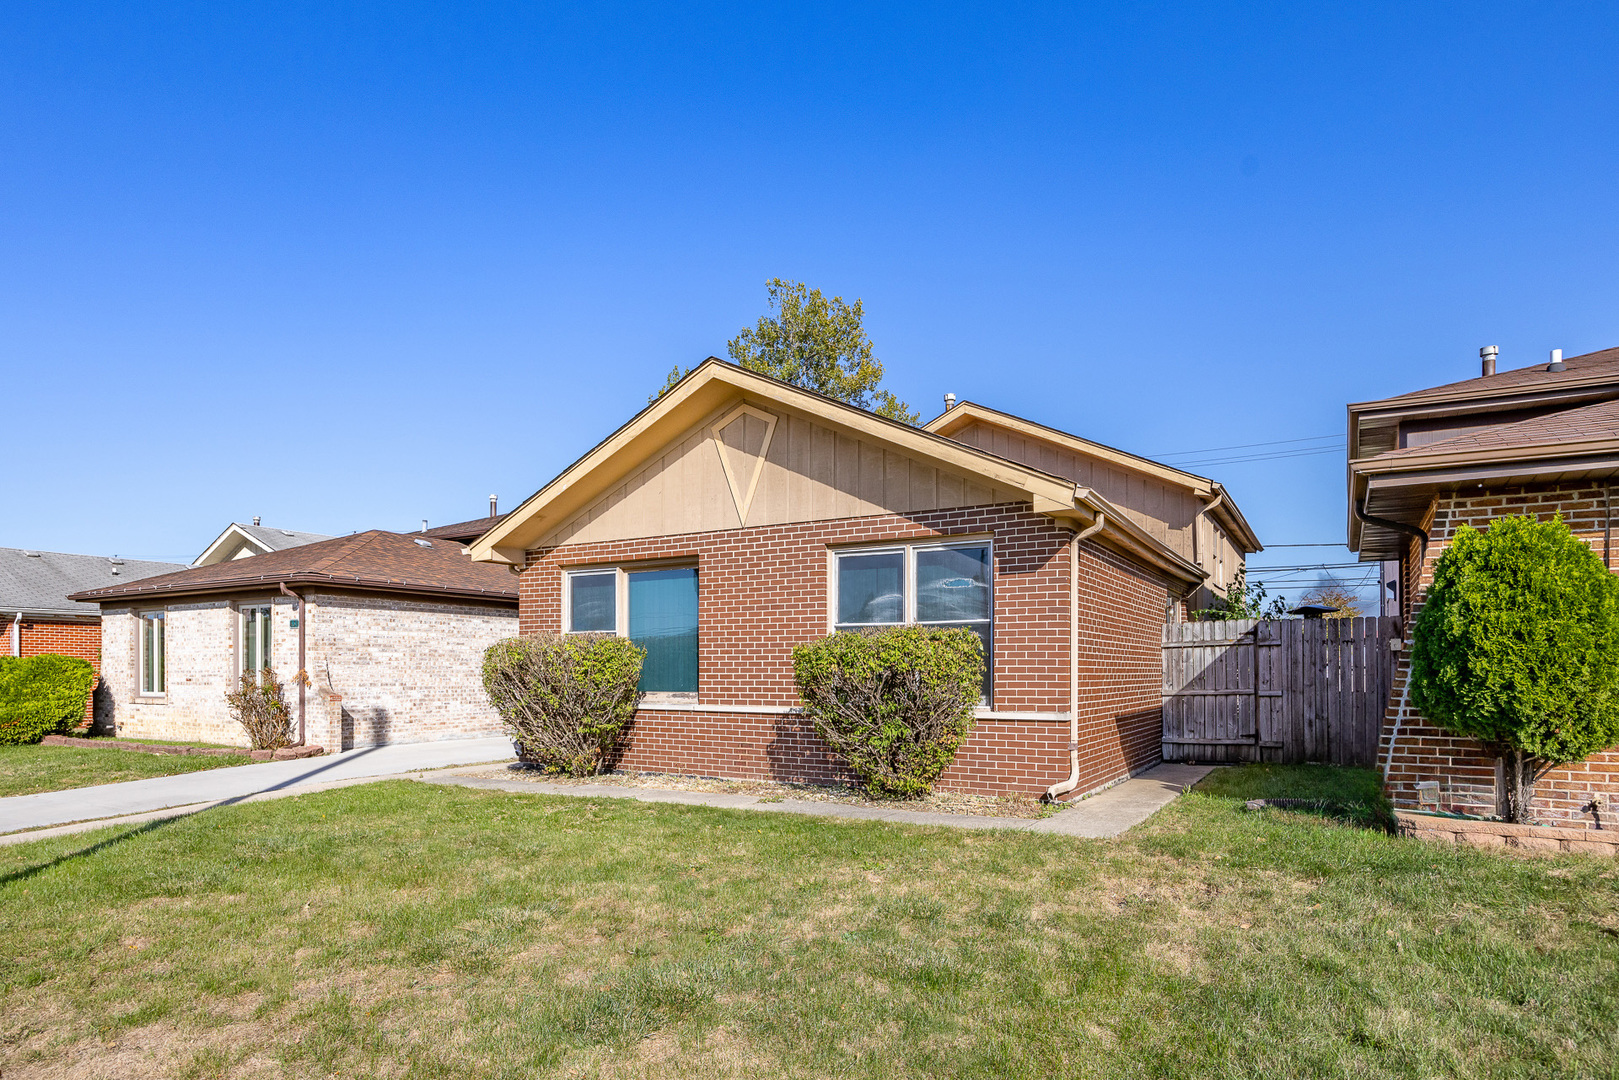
[
  {"x": 40, "y": 582},
  {"x": 964, "y": 413},
  {"x": 714, "y": 383},
  {"x": 374, "y": 561},
  {"x": 262, "y": 537}
]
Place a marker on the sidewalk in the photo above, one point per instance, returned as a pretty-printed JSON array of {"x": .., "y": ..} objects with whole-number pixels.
[
  {"x": 239, "y": 782},
  {"x": 1103, "y": 815}
]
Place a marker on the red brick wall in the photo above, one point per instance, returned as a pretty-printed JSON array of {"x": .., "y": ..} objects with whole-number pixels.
[
  {"x": 764, "y": 590},
  {"x": 1572, "y": 795},
  {"x": 79, "y": 639},
  {"x": 1121, "y": 672}
]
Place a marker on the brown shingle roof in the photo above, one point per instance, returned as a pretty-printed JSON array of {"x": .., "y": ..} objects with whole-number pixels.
[
  {"x": 1604, "y": 362},
  {"x": 1581, "y": 425},
  {"x": 372, "y": 561},
  {"x": 466, "y": 531}
]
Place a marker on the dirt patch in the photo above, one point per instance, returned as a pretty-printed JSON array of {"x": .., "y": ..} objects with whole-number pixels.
[{"x": 938, "y": 802}]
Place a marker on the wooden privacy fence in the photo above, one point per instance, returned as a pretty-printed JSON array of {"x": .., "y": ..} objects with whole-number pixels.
[{"x": 1286, "y": 690}]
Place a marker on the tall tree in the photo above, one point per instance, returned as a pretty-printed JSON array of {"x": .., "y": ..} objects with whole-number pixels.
[{"x": 815, "y": 343}]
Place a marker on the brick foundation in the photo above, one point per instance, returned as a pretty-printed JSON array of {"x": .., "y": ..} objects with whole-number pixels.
[{"x": 1583, "y": 795}]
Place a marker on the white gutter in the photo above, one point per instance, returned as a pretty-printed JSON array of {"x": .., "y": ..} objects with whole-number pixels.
[
  {"x": 16, "y": 636},
  {"x": 1055, "y": 791}
]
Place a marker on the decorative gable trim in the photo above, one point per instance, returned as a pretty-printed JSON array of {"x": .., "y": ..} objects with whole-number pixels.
[{"x": 742, "y": 487}]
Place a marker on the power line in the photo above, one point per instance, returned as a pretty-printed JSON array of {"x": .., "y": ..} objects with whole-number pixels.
[
  {"x": 1276, "y": 456},
  {"x": 1249, "y": 446},
  {"x": 1335, "y": 544}
]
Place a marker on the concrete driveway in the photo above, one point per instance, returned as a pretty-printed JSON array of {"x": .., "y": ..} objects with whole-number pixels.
[{"x": 211, "y": 785}]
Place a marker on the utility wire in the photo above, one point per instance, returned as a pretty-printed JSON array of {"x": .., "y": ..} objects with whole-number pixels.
[{"x": 1249, "y": 446}]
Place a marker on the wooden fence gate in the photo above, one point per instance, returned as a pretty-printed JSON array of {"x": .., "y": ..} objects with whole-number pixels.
[{"x": 1287, "y": 690}]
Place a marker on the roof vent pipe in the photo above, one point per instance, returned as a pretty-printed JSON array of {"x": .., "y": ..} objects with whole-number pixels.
[
  {"x": 255, "y": 519},
  {"x": 492, "y": 511},
  {"x": 1557, "y": 361},
  {"x": 424, "y": 524},
  {"x": 949, "y": 402},
  {"x": 1488, "y": 355}
]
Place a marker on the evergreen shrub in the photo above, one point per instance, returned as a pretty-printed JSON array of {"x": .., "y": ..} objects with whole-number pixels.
[{"x": 42, "y": 695}]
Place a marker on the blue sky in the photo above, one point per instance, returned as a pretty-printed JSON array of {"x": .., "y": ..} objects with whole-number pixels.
[{"x": 350, "y": 267}]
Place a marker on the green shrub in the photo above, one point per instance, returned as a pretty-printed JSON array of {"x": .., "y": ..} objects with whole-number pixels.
[
  {"x": 895, "y": 703},
  {"x": 42, "y": 695},
  {"x": 1517, "y": 646},
  {"x": 565, "y": 699},
  {"x": 259, "y": 704}
]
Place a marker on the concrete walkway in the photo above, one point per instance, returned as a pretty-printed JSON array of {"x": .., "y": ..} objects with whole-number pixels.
[
  {"x": 1103, "y": 815},
  {"x": 236, "y": 783}
]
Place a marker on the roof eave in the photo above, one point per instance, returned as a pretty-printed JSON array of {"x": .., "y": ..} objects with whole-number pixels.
[{"x": 339, "y": 581}]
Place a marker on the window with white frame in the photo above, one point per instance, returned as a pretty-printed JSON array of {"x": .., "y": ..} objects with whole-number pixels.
[
  {"x": 254, "y": 655},
  {"x": 655, "y": 608},
  {"x": 154, "y": 673},
  {"x": 921, "y": 584}
]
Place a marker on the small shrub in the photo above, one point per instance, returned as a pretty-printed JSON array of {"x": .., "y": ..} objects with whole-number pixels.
[
  {"x": 565, "y": 699},
  {"x": 259, "y": 704},
  {"x": 1517, "y": 646},
  {"x": 42, "y": 695},
  {"x": 895, "y": 703}
]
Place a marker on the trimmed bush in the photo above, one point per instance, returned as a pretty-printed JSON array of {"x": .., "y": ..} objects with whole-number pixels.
[
  {"x": 895, "y": 703},
  {"x": 1517, "y": 646},
  {"x": 259, "y": 704},
  {"x": 42, "y": 695},
  {"x": 565, "y": 699}
]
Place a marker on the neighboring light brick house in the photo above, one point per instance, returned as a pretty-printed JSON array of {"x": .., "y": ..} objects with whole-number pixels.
[
  {"x": 1540, "y": 440},
  {"x": 36, "y": 615},
  {"x": 737, "y": 517},
  {"x": 393, "y": 626}
]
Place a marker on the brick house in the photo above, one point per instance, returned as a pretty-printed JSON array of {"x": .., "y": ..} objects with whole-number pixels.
[
  {"x": 36, "y": 615},
  {"x": 1540, "y": 440},
  {"x": 737, "y": 517},
  {"x": 391, "y": 628}
]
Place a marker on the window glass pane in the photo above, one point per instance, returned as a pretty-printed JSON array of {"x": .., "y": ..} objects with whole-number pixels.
[
  {"x": 594, "y": 603},
  {"x": 663, "y": 621},
  {"x": 152, "y": 653},
  {"x": 952, "y": 583},
  {"x": 161, "y": 667},
  {"x": 250, "y": 640},
  {"x": 871, "y": 588},
  {"x": 146, "y": 654}
]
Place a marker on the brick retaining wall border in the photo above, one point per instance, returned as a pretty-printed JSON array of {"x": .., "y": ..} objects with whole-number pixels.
[{"x": 1541, "y": 839}]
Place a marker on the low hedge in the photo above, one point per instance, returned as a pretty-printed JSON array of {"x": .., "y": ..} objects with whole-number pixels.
[
  {"x": 42, "y": 695},
  {"x": 565, "y": 699},
  {"x": 895, "y": 703}
]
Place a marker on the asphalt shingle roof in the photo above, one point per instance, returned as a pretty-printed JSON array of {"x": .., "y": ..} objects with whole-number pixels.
[
  {"x": 1599, "y": 421},
  {"x": 1586, "y": 366},
  {"x": 280, "y": 539},
  {"x": 374, "y": 561},
  {"x": 41, "y": 582}
]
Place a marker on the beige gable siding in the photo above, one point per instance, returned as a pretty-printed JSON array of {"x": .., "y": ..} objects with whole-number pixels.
[
  {"x": 810, "y": 472},
  {"x": 1163, "y": 509}
]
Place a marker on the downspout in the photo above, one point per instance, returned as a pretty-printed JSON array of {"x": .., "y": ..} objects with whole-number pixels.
[
  {"x": 1397, "y": 526},
  {"x": 16, "y": 636},
  {"x": 1056, "y": 791},
  {"x": 303, "y": 671}
]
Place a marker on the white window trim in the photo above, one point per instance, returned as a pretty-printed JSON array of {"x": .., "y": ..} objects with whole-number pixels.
[
  {"x": 141, "y": 619},
  {"x": 910, "y": 549},
  {"x": 241, "y": 632}
]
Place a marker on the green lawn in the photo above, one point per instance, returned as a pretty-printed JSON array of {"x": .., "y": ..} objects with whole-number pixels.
[
  {"x": 406, "y": 929},
  {"x": 27, "y": 769}
]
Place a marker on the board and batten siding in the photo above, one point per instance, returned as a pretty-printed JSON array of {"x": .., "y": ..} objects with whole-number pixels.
[
  {"x": 1167, "y": 511},
  {"x": 810, "y": 472}
]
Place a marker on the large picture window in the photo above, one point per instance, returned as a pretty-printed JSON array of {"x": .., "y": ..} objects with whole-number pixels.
[
  {"x": 925, "y": 585},
  {"x": 255, "y": 638},
  {"x": 656, "y": 609},
  {"x": 154, "y": 674}
]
